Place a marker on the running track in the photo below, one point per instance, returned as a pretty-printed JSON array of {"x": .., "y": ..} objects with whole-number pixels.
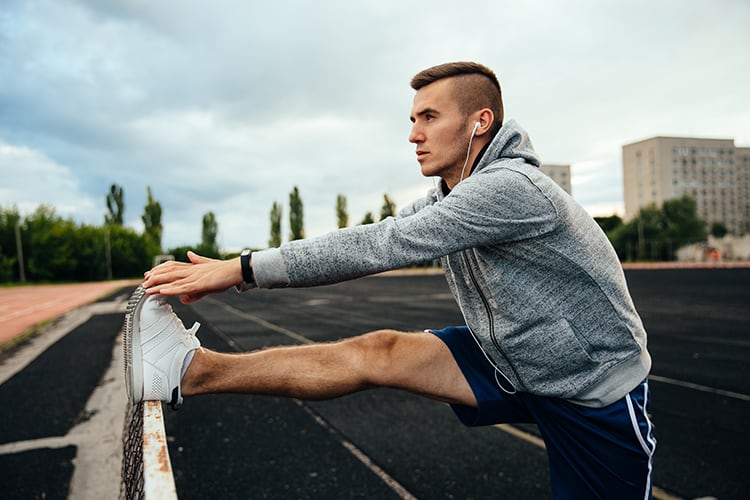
[{"x": 23, "y": 307}]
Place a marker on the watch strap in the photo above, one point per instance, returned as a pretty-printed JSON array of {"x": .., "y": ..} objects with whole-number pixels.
[{"x": 247, "y": 269}]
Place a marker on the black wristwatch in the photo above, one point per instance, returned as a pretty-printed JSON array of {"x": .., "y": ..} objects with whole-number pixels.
[{"x": 248, "y": 278}]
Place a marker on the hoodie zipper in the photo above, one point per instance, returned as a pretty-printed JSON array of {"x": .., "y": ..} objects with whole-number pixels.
[{"x": 491, "y": 321}]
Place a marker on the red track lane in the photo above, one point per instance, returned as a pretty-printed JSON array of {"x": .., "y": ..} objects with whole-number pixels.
[{"x": 22, "y": 307}]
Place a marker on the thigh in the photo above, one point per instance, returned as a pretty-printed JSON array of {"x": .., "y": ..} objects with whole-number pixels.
[
  {"x": 597, "y": 452},
  {"x": 496, "y": 399},
  {"x": 417, "y": 362}
]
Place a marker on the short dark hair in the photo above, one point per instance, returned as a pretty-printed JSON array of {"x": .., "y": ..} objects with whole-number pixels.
[{"x": 475, "y": 87}]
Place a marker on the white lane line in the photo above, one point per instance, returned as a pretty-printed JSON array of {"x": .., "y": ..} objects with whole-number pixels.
[
  {"x": 97, "y": 467},
  {"x": 33, "y": 444},
  {"x": 54, "y": 332},
  {"x": 526, "y": 436},
  {"x": 697, "y": 387},
  {"x": 397, "y": 487},
  {"x": 255, "y": 319},
  {"x": 392, "y": 483},
  {"x": 658, "y": 493}
]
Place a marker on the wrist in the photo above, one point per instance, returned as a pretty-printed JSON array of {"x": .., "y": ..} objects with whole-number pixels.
[{"x": 246, "y": 271}]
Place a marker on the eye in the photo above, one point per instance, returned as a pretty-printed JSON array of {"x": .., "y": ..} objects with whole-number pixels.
[{"x": 428, "y": 117}]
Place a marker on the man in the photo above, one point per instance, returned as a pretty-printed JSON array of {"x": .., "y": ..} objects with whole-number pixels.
[{"x": 551, "y": 335}]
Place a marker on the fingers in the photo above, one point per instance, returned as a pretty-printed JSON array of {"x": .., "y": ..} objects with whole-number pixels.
[
  {"x": 192, "y": 281},
  {"x": 169, "y": 278},
  {"x": 163, "y": 268},
  {"x": 163, "y": 274},
  {"x": 198, "y": 259}
]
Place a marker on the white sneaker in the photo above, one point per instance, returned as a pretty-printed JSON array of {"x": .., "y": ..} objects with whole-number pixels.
[{"x": 155, "y": 343}]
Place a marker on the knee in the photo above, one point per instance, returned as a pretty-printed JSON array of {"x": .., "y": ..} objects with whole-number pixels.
[{"x": 376, "y": 352}]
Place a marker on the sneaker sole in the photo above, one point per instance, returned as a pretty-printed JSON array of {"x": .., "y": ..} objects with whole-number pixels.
[{"x": 131, "y": 345}]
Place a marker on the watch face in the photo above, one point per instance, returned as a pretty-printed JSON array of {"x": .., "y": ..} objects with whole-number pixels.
[{"x": 245, "y": 252}]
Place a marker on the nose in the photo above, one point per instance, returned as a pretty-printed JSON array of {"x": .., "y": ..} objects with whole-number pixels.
[{"x": 416, "y": 135}]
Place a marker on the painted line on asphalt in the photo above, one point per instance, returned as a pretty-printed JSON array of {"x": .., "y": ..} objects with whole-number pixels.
[
  {"x": 397, "y": 487},
  {"x": 698, "y": 387},
  {"x": 54, "y": 332},
  {"x": 97, "y": 467},
  {"x": 658, "y": 493},
  {"x": 391, "y": 482},
  {"x": 255, "y": 319}
]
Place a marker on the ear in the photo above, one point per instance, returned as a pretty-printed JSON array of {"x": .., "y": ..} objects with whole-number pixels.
[{"x": 486, "y": 119}]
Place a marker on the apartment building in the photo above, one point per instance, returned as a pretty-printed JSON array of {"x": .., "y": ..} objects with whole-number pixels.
[
  {"x": 714, "y": 172},
  {"x": 560, "y": 174}
]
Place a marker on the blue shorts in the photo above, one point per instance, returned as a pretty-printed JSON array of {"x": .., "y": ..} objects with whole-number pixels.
[{"x": 593, "y": 452}]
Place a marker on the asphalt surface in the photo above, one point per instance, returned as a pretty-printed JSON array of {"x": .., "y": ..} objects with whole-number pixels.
[
  {"x": 384, "y": 443},
  {"x": 41, "y": 404}
]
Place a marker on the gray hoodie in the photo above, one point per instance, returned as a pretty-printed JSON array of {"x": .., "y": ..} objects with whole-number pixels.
[{"x": 539, "y": 285}]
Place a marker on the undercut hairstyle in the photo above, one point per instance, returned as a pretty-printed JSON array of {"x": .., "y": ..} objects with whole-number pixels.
[{"x": 474, "y": 87}]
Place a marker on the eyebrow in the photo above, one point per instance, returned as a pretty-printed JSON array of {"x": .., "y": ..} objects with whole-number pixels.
[{"x": 425, "y": 111}]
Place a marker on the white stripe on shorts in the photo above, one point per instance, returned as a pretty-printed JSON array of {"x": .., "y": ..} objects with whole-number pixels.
[{"x": 648, "y": 450}]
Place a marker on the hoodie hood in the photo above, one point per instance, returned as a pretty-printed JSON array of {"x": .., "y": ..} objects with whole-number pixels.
[{"x": 511, "y": 142}]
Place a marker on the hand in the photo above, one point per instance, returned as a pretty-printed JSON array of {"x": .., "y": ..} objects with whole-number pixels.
[{"x": 194, "y": 280}]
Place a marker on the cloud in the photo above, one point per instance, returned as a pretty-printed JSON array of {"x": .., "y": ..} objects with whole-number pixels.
[
  {"x": 226, "y": 107},
  {"x": 31, "y": 179}
]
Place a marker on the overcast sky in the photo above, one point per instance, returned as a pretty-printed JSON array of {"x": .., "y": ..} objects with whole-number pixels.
[{"x": 225, "y": 106}]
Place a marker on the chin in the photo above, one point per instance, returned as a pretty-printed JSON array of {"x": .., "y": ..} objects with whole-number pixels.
[{"x": 429, "y": 172}]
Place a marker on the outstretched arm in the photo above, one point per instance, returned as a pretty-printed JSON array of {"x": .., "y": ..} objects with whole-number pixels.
[{"x": 194, "y": 280}]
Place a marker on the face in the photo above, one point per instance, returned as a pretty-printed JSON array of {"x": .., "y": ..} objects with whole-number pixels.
[{"x": 439, "y": 132}]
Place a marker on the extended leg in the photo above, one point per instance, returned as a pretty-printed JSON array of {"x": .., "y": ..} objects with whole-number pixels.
[{"x": 416, "y": 362}]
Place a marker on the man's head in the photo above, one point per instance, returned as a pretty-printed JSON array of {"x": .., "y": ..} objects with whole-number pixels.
[
  {"x": 474, "y": 86},
  {"x": 457, "y": 110}
]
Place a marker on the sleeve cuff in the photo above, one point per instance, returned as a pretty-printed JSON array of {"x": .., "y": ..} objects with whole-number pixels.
[{"x": 244, "y": 287}]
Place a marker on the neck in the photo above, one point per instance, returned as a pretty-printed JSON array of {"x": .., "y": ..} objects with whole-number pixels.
[{"x": 473, "y": 152}]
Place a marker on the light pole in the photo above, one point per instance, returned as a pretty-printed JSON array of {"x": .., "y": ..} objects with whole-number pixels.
[
  {"x": 108, "y": 251},
  {"x": 19, "y": 251}
]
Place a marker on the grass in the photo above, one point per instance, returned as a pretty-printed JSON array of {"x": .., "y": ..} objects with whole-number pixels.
[{"x": 10, "y": 344}]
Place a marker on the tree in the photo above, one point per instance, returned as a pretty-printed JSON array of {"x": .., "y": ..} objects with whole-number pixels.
[
  {"x": 342, "y": 214},
  {"x": 275, "y": 240},
  {"x": 152, "y": 221},
  {"x": 180, "y": 253},
  {"x": 718, "y": 230},
  {"x": 50, "y": 245},
  {"x": 388, "y": 209},
  {"x": 57, "y": 249},
  {"x": 657, "y": 233},
  {"x": 9, "y": 267},
  {"x": 115, "y": 205},
  {"x": 639, "y": 239},
  {"x": 296, "y": 216},
  {"x": 681, "y": 221},
  {"x": 210, "y": 228},
  {"x": 609, "y": 223},
  {"x": 131, "y": 252},
  {"x": 367, "y": 219}
]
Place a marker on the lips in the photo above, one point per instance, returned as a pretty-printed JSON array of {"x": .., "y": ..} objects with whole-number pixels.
[{"x": 421, "y": 154}]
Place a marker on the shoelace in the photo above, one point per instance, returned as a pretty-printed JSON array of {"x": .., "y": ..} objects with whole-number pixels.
[
  {"x": 177, "y": 323},
  {"x": 190, "y": 333}
]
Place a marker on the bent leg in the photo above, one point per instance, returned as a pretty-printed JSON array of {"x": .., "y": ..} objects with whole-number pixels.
[
  {"x": 598, "y": 452},
  {"x": 416, "y": 362}
]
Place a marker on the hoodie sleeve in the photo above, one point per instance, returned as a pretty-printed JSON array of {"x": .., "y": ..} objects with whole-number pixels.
[
  {"x": 490, "y": 207},
  {"x": 504, "y": 202}
]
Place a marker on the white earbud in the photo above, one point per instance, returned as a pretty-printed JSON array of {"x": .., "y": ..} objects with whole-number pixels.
[{"x": 468, "y": 149}]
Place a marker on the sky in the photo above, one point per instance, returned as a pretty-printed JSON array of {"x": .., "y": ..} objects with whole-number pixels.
[{"x": 227, "y": 105}]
